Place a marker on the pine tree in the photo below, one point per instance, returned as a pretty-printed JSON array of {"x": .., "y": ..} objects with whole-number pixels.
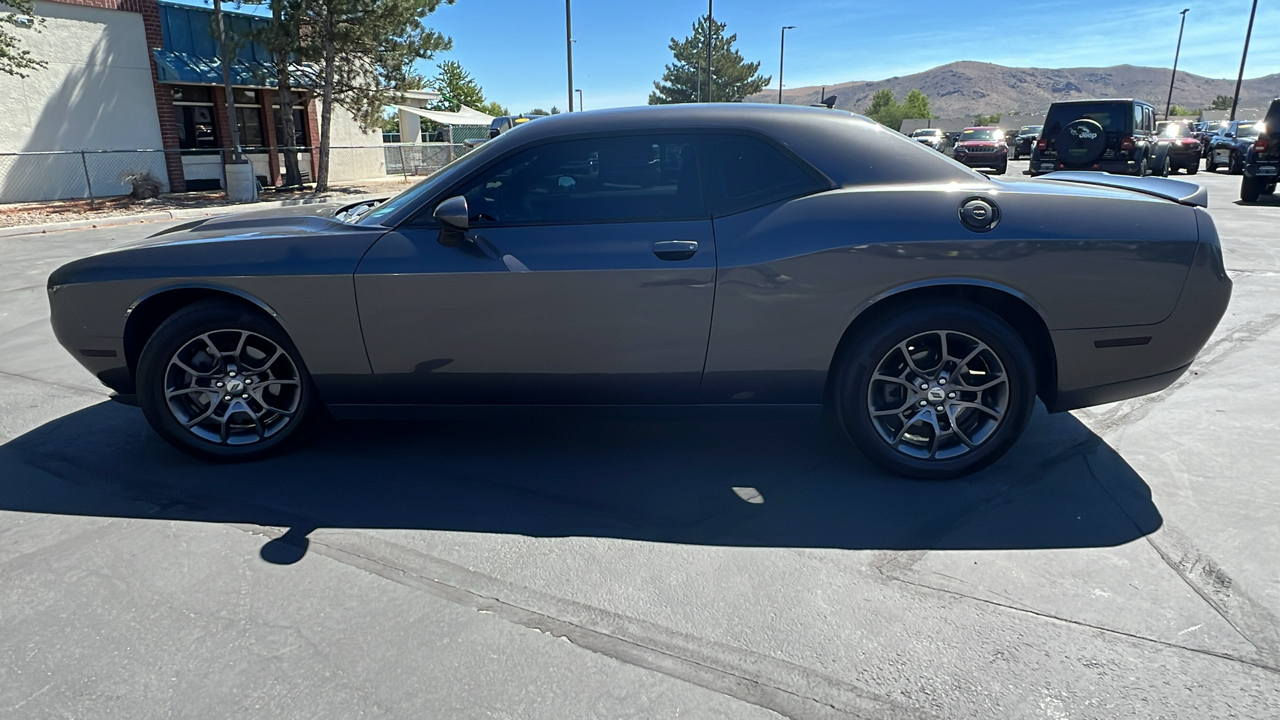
[
  {"x": 685, "y": 80},
  {"x": 19, "y": 14}
]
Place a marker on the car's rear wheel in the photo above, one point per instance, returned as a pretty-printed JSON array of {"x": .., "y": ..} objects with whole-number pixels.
[
  {"x": 1235, "y": 164},
  {"x": 1270, "y": 189},
  {"x": 222, "y": 381},
  {"x": 935, "y": 392},
  {"x": 1250, "y": 189}
]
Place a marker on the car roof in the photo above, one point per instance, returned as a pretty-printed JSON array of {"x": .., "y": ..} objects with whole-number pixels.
[{"x": 1098, "y": 100}]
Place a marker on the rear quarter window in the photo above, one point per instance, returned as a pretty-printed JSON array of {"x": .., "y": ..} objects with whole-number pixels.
[{"x": 749, "y": 172}]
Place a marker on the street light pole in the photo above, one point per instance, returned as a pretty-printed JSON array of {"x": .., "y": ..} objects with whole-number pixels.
[
  {"x": 1169, "y": 103},
  {"x": 782, "y": 55},
  {"x": 1235, "y": 99},
  {"x": 568, "y": 46},
  {"x": 711, "y": 21},
  {"x": 581, "y": 105}
]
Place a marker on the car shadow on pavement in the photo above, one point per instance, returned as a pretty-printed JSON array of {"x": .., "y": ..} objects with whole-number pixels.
[{"x": 761, "y": 479}]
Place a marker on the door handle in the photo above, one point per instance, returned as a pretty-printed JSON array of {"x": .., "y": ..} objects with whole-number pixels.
[{"x": 675, "y": 249}]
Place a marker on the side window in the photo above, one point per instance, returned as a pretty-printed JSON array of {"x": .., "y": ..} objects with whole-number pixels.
[
  {"x": 749, "y": 173},
  {"x": 1137, "y": 118},
  {"x": 612, "y": 179}
]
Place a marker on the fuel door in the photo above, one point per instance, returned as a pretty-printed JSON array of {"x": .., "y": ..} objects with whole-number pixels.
[{"x": 979, "y": 214}]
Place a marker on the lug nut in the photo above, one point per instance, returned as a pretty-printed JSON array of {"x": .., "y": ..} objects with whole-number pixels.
[
  {"x": 924, "y": 386},
  {"x": 244, "y": 396},
  {"x": 219, "y": 383},
  {"x": 951, "y": 395},
  {"x": 942, "y": 381},
  {"x": 939, "y": 408},
  {"x": 923, "y": 403},
  {"x": 232, "y": 373},
  {"x": 248, "y": 381},
  {"x": 227, "y": 398}
]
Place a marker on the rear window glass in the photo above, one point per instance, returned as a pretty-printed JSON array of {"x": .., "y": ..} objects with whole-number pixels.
[
  {"x": 1113, "y": 117},
  {"x": 1175, "y": 130},
  {"x": 752, "y": 173}
]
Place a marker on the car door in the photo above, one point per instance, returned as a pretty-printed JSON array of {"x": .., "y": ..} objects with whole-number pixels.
[{"x": 586, "y": 276}]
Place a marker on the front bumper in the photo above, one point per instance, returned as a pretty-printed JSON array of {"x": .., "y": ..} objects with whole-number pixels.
[
  {"x": 1103, "y": 365},
  {"x": 983, "y": 160}
]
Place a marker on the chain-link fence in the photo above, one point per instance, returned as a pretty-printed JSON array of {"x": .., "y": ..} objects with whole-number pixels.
[{"x": 94, "y": 174}]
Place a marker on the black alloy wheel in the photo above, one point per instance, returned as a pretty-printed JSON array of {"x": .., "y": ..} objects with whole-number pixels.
[
  {"x": 222, "y": 381},
  {"x": 935, "y": 392}
]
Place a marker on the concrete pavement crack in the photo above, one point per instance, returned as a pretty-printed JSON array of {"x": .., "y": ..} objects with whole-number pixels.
[
  {"x": 727, "y": 670},
  {"x": 64, "y": 386}
]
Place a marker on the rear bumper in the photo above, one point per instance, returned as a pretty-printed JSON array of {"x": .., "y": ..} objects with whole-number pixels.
[
  {"x": 1265, "y": 169},
  {"x": 1115, "y": 167},
  {"x": 1101, "y": 365}
]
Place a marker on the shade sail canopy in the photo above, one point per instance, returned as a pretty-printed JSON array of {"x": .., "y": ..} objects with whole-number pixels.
[
  {"x": 464, "y": 116},
  {"x": 191, "y": 69}
]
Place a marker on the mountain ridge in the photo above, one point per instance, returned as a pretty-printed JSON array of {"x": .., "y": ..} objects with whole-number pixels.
[{"x": 967, "y": 87}]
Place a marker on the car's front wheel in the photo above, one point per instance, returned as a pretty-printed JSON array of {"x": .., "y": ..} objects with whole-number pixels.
[
  {"x": 222, "y": 381},
  {"x": 1251, "y": 189},
  {"x": 935, "y": 392},
  {"x": 1235, "y": 164}
]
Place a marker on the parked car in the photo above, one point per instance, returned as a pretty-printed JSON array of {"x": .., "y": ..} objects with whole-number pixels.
[
  {"x": 1112, "y": 135},
  {"x": 505, "y": 123},
  {"x": 929, "y": 308},
  {"x": 932, "y": 137},
  {"x": 1262, "y": 160},
  {"x": 1206, "y": 131},
  {"x": 1182, "y": 149},
  {"x": 1228, "y": 146},
  {"x": 983, "y": 147},
  {"x": 1025, "y": 140}
]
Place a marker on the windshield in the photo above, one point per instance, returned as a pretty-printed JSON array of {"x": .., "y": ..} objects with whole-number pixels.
[
  {"x": 1214, "y": 126},
  {"x": 417, "y": 192},
  {"x": 1247, "y": 130},
  {"x": 1030, "y": 129},
  {"x": 1175, "y": 130},
  {"x": 981, "y": 134},
  {"x": 926, "y": 133}
]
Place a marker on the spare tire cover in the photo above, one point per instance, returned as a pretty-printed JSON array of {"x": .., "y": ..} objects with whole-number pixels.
[{"x": 1081, "y": 142}]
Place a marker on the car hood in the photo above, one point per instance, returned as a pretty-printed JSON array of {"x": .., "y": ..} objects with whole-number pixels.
[{"x": 290, "y": 221}]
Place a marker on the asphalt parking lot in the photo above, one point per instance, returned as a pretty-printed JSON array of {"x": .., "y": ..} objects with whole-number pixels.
[{"x": 1121, "y": 561}]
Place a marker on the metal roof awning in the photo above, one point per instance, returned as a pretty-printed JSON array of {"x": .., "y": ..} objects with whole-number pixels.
[
  {"x": 464, "y": 116},
  {"x": 190, "y": 69}
]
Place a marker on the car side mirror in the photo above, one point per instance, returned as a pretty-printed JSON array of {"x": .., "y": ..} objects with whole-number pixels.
[
  {"x": 1230, "y": 135},
  {"x": 454, "y": 220}
]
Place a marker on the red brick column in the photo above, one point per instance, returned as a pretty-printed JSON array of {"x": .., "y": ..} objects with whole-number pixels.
[{"x": 267, "y": 97}]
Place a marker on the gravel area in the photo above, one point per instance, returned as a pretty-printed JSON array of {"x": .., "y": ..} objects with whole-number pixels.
[{"x": 52, "y": 211}]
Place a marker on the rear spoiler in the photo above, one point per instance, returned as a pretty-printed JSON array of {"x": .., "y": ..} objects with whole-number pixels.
[{"x": 1179, "y": 191}]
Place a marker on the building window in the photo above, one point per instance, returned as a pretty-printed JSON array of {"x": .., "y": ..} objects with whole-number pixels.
[
  {"x": 299, "y": 125},
  {"x": 193, "y": 110},
  {"x": 249, "y": 118}
]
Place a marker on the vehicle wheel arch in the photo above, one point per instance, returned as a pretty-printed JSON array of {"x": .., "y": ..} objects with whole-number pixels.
[
  {"x": 149, "y": 311},
  {"x": 1013, "y": 307}
]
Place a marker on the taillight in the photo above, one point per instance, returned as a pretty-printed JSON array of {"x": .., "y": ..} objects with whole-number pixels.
[
  {"x": 1260, "y": 144},
  {"x": 1190, "y": 141},
  {"x": 1042, "y": 144},
  {"x": 1126, "y": 143}
]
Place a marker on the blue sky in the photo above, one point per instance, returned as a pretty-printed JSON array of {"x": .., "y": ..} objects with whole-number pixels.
[{"x": 516, "y": 50}]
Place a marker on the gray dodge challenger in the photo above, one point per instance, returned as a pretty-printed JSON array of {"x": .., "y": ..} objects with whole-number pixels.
[{"x": 696, "y": 254}]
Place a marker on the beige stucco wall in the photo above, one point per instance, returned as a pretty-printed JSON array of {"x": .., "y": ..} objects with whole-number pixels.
[
  {"x": 95, "y": 94},
  {"x": 346, "y": 162}
]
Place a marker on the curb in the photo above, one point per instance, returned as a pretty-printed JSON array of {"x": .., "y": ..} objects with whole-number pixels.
[{"x": 165, "y": 215}]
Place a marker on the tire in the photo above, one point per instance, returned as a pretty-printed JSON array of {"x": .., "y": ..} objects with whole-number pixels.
[
  {"x": 1250, "y": 189},
  {"x": 898, "y": 442},
  {"x": 1167, "y": 168},
  {"x": 212, "y": 424},
  {"x": 1142, "y": 168},
  {"x": 1210, "y": 164},
  {"x": 1193, "y": 168},
  {"x": 1081, "y": 142},
  {"x": 1270, "y": 189},
  {"x": 1002, "y": 169},
  {"x": 1235, "y": 164}
]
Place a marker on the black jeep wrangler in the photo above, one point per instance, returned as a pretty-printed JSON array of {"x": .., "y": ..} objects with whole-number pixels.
[
  {"x": 1262, "y": 160},
  {"x": 1112, "y": 135}
]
